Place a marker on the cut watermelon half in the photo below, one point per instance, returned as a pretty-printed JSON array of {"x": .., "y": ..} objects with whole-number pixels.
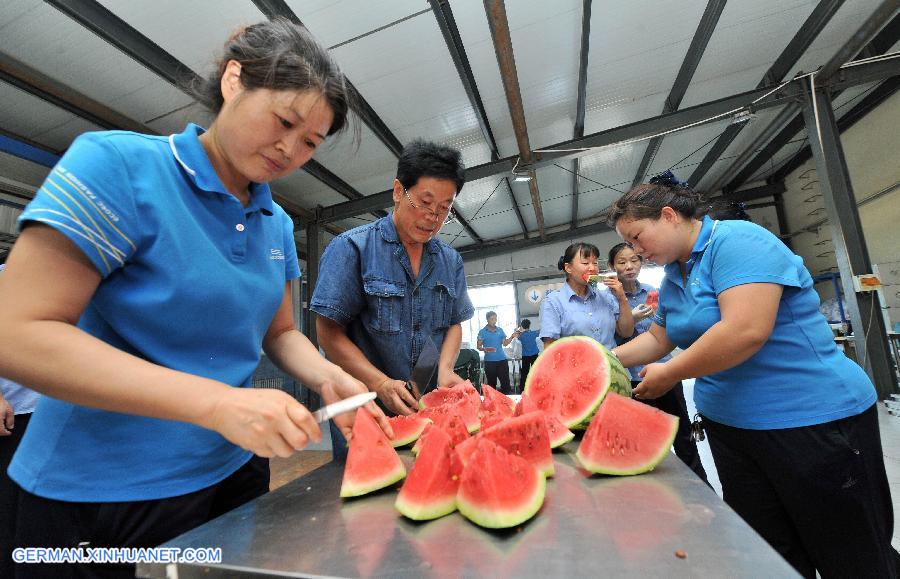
[
  {"x": 407, "y": 429},
  {"x": 372, "y": 463},
  {"x": 497, "y": 489},
  {"x": 571, "y": 377},
  {"x": 430, "y": 489},
  {"x": 626, "y": 437}
]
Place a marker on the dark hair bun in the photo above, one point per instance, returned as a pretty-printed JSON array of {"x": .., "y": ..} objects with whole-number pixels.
[
  {"x": 669, "y": 179},
  {"x": 561, "y": 264}
]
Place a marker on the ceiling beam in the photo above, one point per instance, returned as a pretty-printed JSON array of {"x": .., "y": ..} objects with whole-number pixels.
[
  {"x": 278, "y": 8},
  {"x": 481, "y": 251},
  {"x": 864, "y": 35},
  {"x": 871, "y": 101},
  {"x": 808, "y": 32},
  {"x": 27, "y": 149},
  {"x": 580, "y": 102},
  {"x": 506, "y": 60},
  {"x": 443, "y": 14},
  {"x": 106, "y": 25},
  {"x": 880, "y": 44},
  {"x": 689, "y": 65},
  {"x": 574, "y": 148},
  {"x": 25, "y": 78}
]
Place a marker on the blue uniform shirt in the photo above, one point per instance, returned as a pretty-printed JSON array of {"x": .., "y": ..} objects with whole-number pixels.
[
  {"x": 191, "y": 280},
  {"x": 564, "y": 313},
  {"x": 366, "y": 285},
  {"x": 799, "y": 377},
  {"x": 529, "y": 340},
  {"x": 638, "y": 297},
  {"x": 493, "y": 340}
]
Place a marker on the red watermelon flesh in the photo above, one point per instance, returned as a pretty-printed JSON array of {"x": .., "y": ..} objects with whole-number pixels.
[
  {"x": 570, "y": 378},
  {"x": 450, "y": 422},
  {"x": 465, "y": 448},
  {"x": 496, "y": 402},
  {"x": 497, "y": 489},
  {"x": 407, "y": 429},
  {"x": 492, "y": 418},
  {"x": 467, "y": 409},
  {"x": 525, "y": 436},
  {"x": 372, "y": 463},
  {"x": 446, "y": 394},
  {"x": 626, "y": 437},
  {"x": 430, "y": 489},
  {"x": 556, "y": 430}
]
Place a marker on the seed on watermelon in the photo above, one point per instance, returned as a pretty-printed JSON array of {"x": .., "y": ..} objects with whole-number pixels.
[
  {"x": 622, "y": 423},
  {"x": 499, "y": 490},
  {"x": 372, "y": 463}
]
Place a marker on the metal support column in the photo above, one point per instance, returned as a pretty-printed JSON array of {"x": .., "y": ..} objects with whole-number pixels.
[
  {"x": 872, "y": 348},
  {"x": 314, "y": 249},
  {"x": 781, "y": 216}
]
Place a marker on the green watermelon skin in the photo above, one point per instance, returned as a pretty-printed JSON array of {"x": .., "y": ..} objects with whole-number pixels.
[
  {"x": 571, "y": 377},
  {"x": 372, "y": 463},
  {"x": 497, "y": 489},
  {"x": 429, "y": 491},
  {"x": 626, "y": 437}
]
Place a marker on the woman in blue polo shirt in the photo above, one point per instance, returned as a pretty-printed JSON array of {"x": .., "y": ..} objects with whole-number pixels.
[
  {"x": 627, "y": 265},
  {"x": 149, "y": 273},
  {"x": 792, "y": 422},
  {"x": 530, "y": 350},
  {"x": 491, "y": 340},
  {"x": 580, "y": 309}
]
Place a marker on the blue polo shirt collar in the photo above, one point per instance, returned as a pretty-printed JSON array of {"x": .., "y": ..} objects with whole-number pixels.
[
  {"x": 192, "y": 157},
  {"x": 703, "y": 240},
  {"x": 568, "y": 293},
  {"x": 639, "y": 288},
  {"x": 388, "y": 230}
]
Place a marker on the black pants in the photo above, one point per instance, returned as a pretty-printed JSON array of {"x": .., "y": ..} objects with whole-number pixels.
[
  {"x": 498, "y": 369},
  {"x": 672, "y": 402},
  {"x": 50, "y": 523},
  {"x": 818, "y": 494},
  {"x": 9, "y": 494},
  {"x": 527, "y": 361}
]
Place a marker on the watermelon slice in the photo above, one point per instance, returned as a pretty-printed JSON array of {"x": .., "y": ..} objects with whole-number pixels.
[
  {"x": 450, "y": 422},
  {"x": 571, "y": 377},
  {"x": 626, "y": 437},
  {"x": 467, "y": 408},
  {"x": 497, "y": 489},
  {"x": 524, "y": 436},
  {"x": 407, "y": 429},
  {"x": 453, "y": 393},
  {"x": 556, "y": 430},
  {"x": 496, "y": 402},
  {"x": 372, "y": 463},
  {"x": 492, "y": 418},
  {"x": 652, "y": 299},
  {"x": 430, "y": 489}
]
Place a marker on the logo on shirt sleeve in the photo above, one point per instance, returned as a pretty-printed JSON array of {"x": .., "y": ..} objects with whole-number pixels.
[{"x": 276, "y": 254}]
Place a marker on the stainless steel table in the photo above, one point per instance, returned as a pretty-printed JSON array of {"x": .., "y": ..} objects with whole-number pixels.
[{"x": 588, "y": 526}]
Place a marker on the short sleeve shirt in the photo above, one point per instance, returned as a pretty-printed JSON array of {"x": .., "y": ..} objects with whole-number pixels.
[
  {"x": 190, "y": 279},
  {"x": 493, "y": 339},
  {"x": 529, "y": 340},
  {"x": 799, "y": 377},
  {"x": 565, "y": 313},
  {"x": 366, "y": 284}
]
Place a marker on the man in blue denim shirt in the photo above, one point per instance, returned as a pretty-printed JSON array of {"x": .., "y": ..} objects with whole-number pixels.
[{"x": 386, "y": 287}]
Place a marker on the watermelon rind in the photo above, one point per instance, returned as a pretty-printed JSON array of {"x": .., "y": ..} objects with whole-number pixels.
[
  {"x": 592, "y": 451},
  {"x": 477, "y": 473},
  {"x": 617, "y": 378},
  {"x": 369, "y": 450},
  {"x": 430, "y": 488},
  {"x": 398, "y": 422}
]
